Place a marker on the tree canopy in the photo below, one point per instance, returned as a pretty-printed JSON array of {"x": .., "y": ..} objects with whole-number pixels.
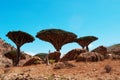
[
  {"x": 56, "y": 37},
  {"x": 85, "y": 41},
  {"x": 20, "y": 37}
]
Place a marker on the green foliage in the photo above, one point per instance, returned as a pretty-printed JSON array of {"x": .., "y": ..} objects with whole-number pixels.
[
  {"x": 51, "y": 61},
  {"x": 13, "y": 54},
  {"x": 36, "y": 62},
  {"x": 42, "y": 55}
]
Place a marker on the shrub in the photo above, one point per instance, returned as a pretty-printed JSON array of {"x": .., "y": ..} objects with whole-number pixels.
[
  {"x": 12, "y": 55},
  {"x": 51, "y": 61}
]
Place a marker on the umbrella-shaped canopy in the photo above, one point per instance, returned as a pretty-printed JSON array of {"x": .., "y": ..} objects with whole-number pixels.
[{"x": 56, "y": 37}]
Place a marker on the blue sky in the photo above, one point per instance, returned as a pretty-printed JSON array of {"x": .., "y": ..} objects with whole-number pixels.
[{"x": 83, "y": 17}]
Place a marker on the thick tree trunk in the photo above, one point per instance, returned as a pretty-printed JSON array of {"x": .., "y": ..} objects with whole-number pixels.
[
  {"x": 18, "y": 55},
  {"x": 83, "y": 47},
  {"x": 87, "y": 48},
  {"x": 58, "y": 50}
]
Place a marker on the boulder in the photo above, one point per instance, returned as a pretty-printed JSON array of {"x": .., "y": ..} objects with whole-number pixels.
[
  {"x": 101, "y": 49},
  {"x": 73, "y": 54},
  {"x": 90, "y": 56},
  {"x": 34, "y": 60}
]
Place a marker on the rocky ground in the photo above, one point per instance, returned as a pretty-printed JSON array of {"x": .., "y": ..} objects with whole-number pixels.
[
  {"x": 80, "y": 71},
  {"x": 102, "y": 70}
]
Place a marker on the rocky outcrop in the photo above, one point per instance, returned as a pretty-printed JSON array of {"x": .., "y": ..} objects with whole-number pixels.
[
  {"x": 34, "y": 60},
  {"x": 90, "y": 56},
  {"x": 73, "y": 54},
  {"x": 112, "y": 56},
  {"x": 5, "y": 47},
  {"x": 113, "y": 52},
  {"x": 54, "y": 56},
  {"x": 101, "y": 49},
  {"x": 114, "y": 49},
  {"x": 5, "y": 62},
  {"x": 115, "y": 56}
]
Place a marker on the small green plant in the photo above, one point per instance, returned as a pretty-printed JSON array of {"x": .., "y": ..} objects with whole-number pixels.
[
  {"x": 51, "y": 61},
  {"x": 12, "y": 55},
  {"x": 36, "y": 62}
]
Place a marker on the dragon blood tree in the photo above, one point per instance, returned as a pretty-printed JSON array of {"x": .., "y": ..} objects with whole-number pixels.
[
  {"x": 19, "y": 38},
  {"x": 56, "y": 37},
  {"x": 85, "y": 41}
]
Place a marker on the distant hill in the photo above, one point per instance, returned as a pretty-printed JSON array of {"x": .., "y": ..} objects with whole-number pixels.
[{"x": 114, "y": 49}]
